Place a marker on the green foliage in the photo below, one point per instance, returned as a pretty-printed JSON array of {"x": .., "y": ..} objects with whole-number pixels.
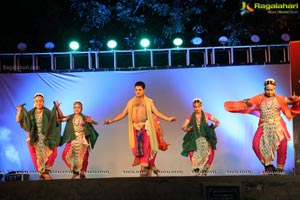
[
  {"x": 168, "y": 18},
  {"x": 93, "y": 14},
  {"x": 208, "y": 19}
]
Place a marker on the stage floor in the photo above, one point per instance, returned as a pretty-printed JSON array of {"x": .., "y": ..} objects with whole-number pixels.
[{"x": 279, "y": 187}]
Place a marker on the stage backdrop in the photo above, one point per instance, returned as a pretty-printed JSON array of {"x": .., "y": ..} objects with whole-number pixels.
[{"x": 105, "y": 94}]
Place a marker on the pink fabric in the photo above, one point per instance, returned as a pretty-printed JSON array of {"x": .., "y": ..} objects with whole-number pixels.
[
  {"x": 256, "y": 142},
  {"x": 210, "y": 157},
  {"x": 143, "y": 160},
  {"x": 51, "y": 158},
  {"x": 32, "y": 154},
  {"x": 68, "y": 148},
  {"x": 281, "y": 151}
]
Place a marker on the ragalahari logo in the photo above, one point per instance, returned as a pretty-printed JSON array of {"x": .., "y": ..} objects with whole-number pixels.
[
  {"x": 270, "y": 8},
  {"x": 246, "y": 8}
]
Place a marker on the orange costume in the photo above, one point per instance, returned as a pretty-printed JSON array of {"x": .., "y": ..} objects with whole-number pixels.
[{"x": 272, "y": 134}]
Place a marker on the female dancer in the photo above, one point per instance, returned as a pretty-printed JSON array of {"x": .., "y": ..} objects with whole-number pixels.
[
  {"x": 79, "y": 136},
  {"x": 199, "y": 142}
]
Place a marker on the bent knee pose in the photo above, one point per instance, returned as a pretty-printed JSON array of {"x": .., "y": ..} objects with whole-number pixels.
[
  {"x": 271, "y": 135},
  {"x": 79, "y": 136},
  {"x": 199, "y": 142},
  {"x": 43, "y": 133}
]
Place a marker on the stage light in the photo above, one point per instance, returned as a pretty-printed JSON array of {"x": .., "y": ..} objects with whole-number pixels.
[
  {"x": 223, "y": 40},
  {"x": 111, "y": 44},
  {"x": 74, "y": 45},
  {"x": 145, "y": 43},
  {"x": 255, "y": 39},
  {"x": 177, "y": 42},
  {"x": 22, "y": 46},
  {"x": 49, "y": 46},
  {"x": 197, "y": 41},
  {"x": 285, "y": 37}
]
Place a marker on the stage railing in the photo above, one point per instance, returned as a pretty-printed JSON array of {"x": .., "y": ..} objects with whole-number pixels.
[{"x": 145, "y": 58}]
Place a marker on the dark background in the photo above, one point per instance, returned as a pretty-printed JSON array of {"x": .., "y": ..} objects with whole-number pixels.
[{"x": 37, "y": 22}]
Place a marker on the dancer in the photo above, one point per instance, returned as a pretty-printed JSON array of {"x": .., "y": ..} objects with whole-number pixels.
[
  {"x": 43, "y": 133},
  {"x": 79, "y": 136},
  {"x": 272, "y": 134},
  {"x": 199, "y": 142},
  {"x": 141, "y": 131}
]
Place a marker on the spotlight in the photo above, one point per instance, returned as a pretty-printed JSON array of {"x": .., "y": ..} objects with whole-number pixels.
[
  {"x": 177, "y": 42},
  {"x": 74, "y": 45},
  {"x": 285, "y": 37},
  {"x": 223, "y": 40},
  {"x": 22, "y": 46},
  {"x": 145, "y": 43},
  {"x": 49, "y": 46},
  {"x": 197, "y": 41},
  {"x": 111, "y": 44},
  {"x": 255, "y": 39}
]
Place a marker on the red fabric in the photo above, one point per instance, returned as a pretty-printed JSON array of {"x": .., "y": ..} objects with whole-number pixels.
[
  {"x": 51, "y": 158},
  {"x": 64, "y": 154},
  {"x": 243, "y": 108},
  {"x": 68, "y": 148},
  {"x": 237, "y": 107},
  {"x": 281, "y": 151},
  {"x": 32, "y": 154},
  {"x": 295, "y": 109},
  {"x": 162, "y": 144},
  {"x": 85, "y": 161},
  {"x": 210, "y": 157},
  {"x": 151, "y": 163}
]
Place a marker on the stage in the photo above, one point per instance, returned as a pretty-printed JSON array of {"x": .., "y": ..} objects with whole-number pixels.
[
  {"x": 111, "y": 158},
  {"x": 279, "y": 187}
]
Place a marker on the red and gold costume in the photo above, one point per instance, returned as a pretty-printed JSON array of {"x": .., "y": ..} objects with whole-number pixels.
[{"x": 78, "y": 136}]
